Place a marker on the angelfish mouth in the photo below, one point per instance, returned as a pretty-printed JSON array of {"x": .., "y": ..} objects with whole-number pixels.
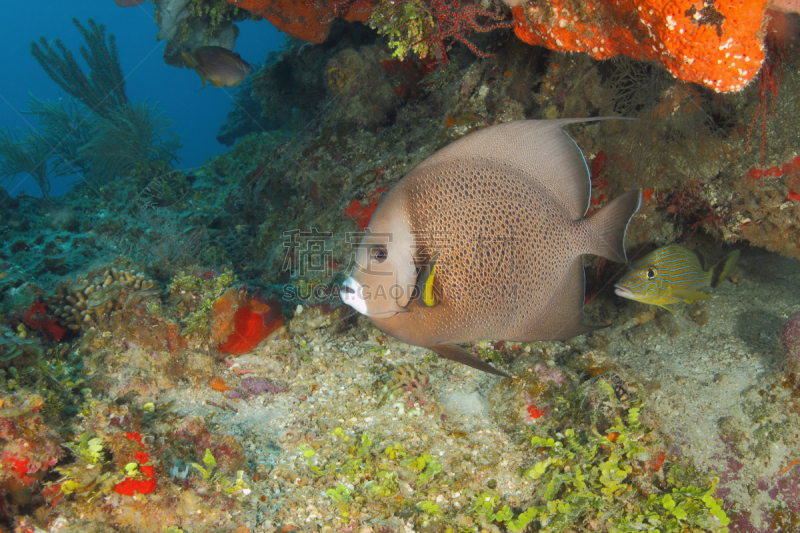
[
  {"x": 619, "y": 290},
  {"x": 352, "y": 295}
]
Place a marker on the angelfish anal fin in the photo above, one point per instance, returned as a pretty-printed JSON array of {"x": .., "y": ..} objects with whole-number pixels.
[{"x": 460, "y": 355}]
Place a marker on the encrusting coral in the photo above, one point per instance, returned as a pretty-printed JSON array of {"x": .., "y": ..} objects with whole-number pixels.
[{"x": 28, "y": 448}]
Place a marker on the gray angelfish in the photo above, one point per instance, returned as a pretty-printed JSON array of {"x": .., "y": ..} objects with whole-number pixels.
[{"x": 483, "y": 241}]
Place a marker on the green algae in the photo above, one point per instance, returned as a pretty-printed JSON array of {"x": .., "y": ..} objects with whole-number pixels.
[{"x": 195, "y": 297}]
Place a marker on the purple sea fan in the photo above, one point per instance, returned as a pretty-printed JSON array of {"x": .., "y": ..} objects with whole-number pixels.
[{"x": 790, "y": 338}]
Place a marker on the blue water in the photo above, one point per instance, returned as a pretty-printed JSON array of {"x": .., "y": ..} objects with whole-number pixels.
[{"x": 197, "y": 114}]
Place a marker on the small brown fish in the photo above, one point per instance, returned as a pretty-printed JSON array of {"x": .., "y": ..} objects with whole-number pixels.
[
  {"x": 129, "y": 3},
  {"x": 217, "y": 65},
  {"x": 483, "y": 240}
]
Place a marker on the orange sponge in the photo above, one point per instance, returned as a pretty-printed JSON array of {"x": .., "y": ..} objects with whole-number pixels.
[
  {"x": 716, "y": 44},
  {"x": 306, "y": 19}
]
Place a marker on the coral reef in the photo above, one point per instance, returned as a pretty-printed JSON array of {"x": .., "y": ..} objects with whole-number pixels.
[
  {"x": 115, "y": 465},
  {"x": 245, "y": 117},
  {"x": 766, "y": 215},
  {"x": 135, "y": 414},
  {"x": 88, "y": 300},
  {"x": 207, "y": 302},
  {"x": 348, "y": 74},
  {"x": 291, "y": 87},
  {"x": 29, "y": 449},
  {"x": 718, "y": 46}
]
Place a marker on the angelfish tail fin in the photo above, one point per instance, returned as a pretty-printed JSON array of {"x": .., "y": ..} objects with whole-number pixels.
[
  {"x": 608, "y": 226},
  {"x": 460, "y": 355},
  {"x": 723, "y": 269}
]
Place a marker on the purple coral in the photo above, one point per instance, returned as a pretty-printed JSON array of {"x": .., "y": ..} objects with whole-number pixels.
[
  {"x": 550, "y": 374},
  {"x": 790, "y": 338}
]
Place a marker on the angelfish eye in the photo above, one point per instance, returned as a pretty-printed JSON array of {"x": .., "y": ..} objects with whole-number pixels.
[
  {"x": 380, "y": 254},
  {"x": 651, "y": 273}
]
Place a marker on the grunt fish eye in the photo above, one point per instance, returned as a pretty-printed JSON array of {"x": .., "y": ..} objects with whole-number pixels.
[
  {"x": 651, "y": 273},
  {"x": 380, "y": 254}
]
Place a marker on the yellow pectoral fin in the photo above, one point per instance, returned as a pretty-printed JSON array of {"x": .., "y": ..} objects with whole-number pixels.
[
  {"x": 690, "y": 295},
  {"x": 427, "y": 291},
  {"x": 190, "y": 62}
]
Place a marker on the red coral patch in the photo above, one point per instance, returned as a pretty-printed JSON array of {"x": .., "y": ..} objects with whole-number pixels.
[
  {"x": 36, "y": 318},
  {"x": 252, "y": 324}
]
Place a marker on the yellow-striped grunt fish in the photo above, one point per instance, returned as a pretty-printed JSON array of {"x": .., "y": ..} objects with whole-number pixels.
[{"x": 672, "y": 274}]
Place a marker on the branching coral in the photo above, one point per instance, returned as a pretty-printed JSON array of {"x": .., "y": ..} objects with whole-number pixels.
[
  {"x": 425, "y": 26},
  {"x": 91, "y": 298},
  {"x": 53, "y": 150},
  {"x": 64, "y": 126},
  {"x": 103, "y": 90},
  {"x": 132, "y": 134},
  {"x": 125, "y": 135}
]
